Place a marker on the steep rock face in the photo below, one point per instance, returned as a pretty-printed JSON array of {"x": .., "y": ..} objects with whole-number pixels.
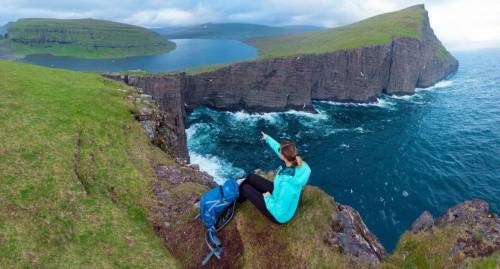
[
  {"x": 273, "y": 85},
  {"x": 165, "y": 126},
  {"x": 418, "y": 62},
  {"x": 357, "y": 75},
  {"x": 437, "y": 62}
]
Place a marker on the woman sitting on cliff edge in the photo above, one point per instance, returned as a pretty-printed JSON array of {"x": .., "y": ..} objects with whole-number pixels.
[{"x": 277, "y": 200}]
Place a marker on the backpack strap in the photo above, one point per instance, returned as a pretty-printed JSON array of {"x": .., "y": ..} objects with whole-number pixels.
[{"x": 215, "y": 250}]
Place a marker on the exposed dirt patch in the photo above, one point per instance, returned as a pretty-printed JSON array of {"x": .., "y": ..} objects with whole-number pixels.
[{"x": 176, "y": 190}]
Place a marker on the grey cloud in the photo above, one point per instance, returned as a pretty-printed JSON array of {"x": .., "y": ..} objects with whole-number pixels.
[{"x": 155, "y": 13}]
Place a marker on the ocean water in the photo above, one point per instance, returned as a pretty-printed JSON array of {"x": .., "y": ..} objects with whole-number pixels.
[
  {"x": 390, "y": 160},
  {"x": 188, "y": 53}
]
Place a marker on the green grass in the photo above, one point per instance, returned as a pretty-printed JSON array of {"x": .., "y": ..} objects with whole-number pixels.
[
  {"x": 372, "y": 31},
  {"x": 83, "y": 38},
  {"x": 205, "y": 68},
  {"x": 75, "y": 170}
]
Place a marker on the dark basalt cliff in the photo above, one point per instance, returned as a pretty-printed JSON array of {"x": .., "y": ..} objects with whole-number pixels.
[
  {"x": 355, "y": 75},
  {"x": 164, "y": 118}
]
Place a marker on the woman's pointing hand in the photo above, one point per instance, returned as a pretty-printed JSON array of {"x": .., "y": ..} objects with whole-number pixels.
[{"x": 264, "y": 135}]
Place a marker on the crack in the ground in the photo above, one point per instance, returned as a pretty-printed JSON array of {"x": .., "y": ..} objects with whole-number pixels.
[{"x": 76, "y": 163}]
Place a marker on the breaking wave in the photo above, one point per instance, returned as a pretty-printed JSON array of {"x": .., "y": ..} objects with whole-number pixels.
[{"x": 381, "y": 102}]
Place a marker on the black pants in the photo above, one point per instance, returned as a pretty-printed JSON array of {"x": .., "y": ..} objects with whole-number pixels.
[{"x": 252, "y": 189}]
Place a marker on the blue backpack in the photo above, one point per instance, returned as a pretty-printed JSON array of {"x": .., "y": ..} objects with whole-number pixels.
[{"x": 217, "y": 208}]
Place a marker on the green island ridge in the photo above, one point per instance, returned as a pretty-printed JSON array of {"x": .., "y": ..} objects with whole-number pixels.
[
  {"x": 83, "y": 38},
  {"x": 76, "y": 177}
]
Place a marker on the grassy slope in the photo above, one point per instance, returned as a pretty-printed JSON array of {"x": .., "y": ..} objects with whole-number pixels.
[
  {"x": 85, "y": 38},
  {"x": 47, "y": 219},
  {"x": 372, "y": 31},
  {"x": 238, "y": 31}
]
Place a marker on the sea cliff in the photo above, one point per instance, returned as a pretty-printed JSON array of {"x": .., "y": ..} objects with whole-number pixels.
[{"x": 324, "y": 233}]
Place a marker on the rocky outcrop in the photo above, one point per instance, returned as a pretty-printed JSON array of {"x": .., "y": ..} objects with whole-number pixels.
[
  {"x": 423, "y": 222},
  {"x": 351, "y": 235},
  {"x": 479, "y": 228},
  {"x": 465, "y": 236}
]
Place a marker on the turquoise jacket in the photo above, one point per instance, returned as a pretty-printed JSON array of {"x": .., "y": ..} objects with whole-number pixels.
[{"x": 288, "y": 183}]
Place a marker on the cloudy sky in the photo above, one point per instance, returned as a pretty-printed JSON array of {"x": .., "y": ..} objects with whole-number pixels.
[{"x": 460, "y": 24}]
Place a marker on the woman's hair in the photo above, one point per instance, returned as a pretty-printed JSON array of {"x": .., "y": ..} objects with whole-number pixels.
[{"x": 289, "y": 151}]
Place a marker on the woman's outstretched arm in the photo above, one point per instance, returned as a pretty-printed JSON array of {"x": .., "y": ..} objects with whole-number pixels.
[{"x": 272, "y": 143}]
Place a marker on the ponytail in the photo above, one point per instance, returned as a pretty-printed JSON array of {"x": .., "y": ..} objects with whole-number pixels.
[
  {"x": 297, "y": 161},
  {"x": 289, "y": 151}
]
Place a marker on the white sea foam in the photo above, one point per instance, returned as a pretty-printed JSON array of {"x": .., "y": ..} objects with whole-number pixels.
[
  {"x": 271, "y": 117},
  {"x": 360, "y": 130},
  {"x": 276, "y": 117},
  {"x": 321, "y": 115},
  {"x": 191, "y": 131},
  {"x": 339, "y": 130},
  {"x": 439, "y": 85},
  {"x": 381, "y": 102},
  {"x": 218, "y": 168},
  {"x": 405, "y": 97}
]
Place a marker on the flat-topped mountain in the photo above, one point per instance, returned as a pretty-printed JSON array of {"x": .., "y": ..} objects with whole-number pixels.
[
  {"x": 238, "y": 31},
  {"x": 84, "y": 38}
]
